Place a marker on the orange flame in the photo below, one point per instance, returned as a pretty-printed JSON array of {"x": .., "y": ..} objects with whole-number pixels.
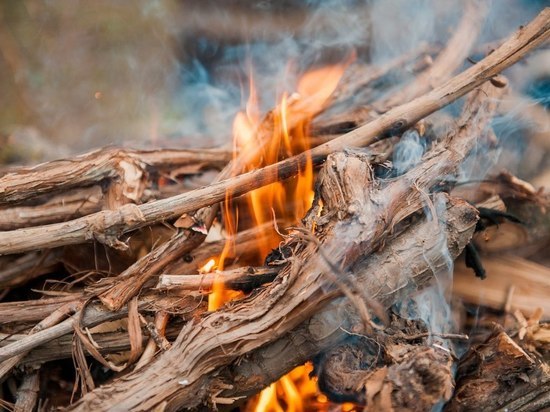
[{"x": 282, "y": 134}]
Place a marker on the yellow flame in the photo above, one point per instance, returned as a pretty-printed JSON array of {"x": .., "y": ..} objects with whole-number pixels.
[
  {"x": 208, "y": 266},
  {"x": 259, "y": 145}
]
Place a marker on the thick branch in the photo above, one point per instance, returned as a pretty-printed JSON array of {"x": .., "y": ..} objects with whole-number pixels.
[
  {"x": 500, "y": 375},
  {"x": 94, "y": 167},
  {"x": 384, "y": 276}
]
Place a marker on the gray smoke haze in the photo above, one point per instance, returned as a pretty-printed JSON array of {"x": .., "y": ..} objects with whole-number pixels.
[{"x": 166, "y": 72}]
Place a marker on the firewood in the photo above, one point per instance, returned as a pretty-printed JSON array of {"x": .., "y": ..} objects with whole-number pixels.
[
  {"x": 501, "y": 375},
  {"x": 27, "y": 393},
  {"x": 386, "y": 371},
  {"x": 132, "y": 280},
  {"x": 127, "y": 166},
  {"x": 62, "y": 347},
  {"x": 358, "y": 76},
  {"x": 62, "y": 208},
  {"x": 530, "y": 282},
  {"x": 446, "y": 63},
  {"x": 245, "y": 278},
  {"x": 382, "y": 276},
  {"x": 244, "y": 244},
  {"x": 34, "y": 310},
  {"x": 341, "y": 176},
  {"x": 107, "y": 225}
]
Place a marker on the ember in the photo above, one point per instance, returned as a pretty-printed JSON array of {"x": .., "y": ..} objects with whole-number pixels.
[{"x": 339, "y": 242}]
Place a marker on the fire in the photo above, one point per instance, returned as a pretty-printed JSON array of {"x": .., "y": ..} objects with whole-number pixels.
[
  {"x": 208, "y": 266},
  {"x": 259, "y": 142},
  {"x": 290, "y": 393}
]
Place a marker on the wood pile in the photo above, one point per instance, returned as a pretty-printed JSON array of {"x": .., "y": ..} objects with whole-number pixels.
[{"x": 105, "y": 297}]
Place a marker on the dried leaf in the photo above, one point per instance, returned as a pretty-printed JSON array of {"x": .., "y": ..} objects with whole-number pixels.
[
  {"x": 184, "y": 222},
  {"x": 134, "y": 331}
]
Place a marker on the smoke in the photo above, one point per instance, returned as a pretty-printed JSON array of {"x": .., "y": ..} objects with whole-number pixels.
[
  {"x": 169, "y": 72},
  {"x": 431, "y": 304},
  {"x": 408, "y": 152}
]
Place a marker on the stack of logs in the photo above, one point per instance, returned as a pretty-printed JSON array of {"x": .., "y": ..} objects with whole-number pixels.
[{"x": 100, "y": 257}]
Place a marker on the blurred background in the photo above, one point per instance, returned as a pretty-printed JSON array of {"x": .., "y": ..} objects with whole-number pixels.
[{"x": 76, "y": 75}]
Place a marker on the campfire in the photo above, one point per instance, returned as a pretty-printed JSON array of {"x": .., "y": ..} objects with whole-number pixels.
[{"x": 362, "y": 240}]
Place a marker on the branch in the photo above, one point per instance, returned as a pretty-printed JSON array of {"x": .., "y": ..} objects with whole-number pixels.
[
  {"x": 92, "y": 168},
  {"x": 244, "y": 278}
]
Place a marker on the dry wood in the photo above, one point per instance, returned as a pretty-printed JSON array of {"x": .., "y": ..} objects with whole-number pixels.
[
  {"x": 383, "y": 275},
  {"x": 93, "y": 315},
  {"x": 91, "y": 168},
  {"x": 530, "y": 282},
  {"x": 500, "y": 375},
  {"x": 244, "y": 278},
  {"x": 446, "y": 63},
  {"x": 34, "y": 310},
  {"x": 27, "y": 393},
  {"x": 386, "y": 372},
  {"x": 59, "y": 209},
  {"x": 157, "y": 339},
  {"x": 301, "y": 288},
  {"x": 130, "y": 282},
  {"x": 106, "y": 226},
  {"x": 359, "y": 76},
  {"x": 245, "y": 242},
  {"x": 118, "y": 291},
  {"x": 18, "y": 270},
  {"x": 325, "y": 327},
  {"x": 49, "y": 323},
  {"x": 62, "y": 347}
]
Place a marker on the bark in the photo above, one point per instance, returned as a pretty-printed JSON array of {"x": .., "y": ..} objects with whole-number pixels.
[
  {"x": 106, "y": 226},
  {"x": 125, "y": 167},
  {"x": 500, "y": 375},
  {"x": 387, "y": 372},
  {"x": 59, "y": 209},
  {"x": 383, "y": 276},
  {"x": 27, "y": 393}
]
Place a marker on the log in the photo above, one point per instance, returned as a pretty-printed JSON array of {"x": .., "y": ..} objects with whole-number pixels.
[
  {"x": 106, "y": 226},
  {"x": 383, "y": 276},
  {"x": 511, "y": 281},
  {"x": 500, "y": 375},
  {"x": 127, "y": 166}
]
